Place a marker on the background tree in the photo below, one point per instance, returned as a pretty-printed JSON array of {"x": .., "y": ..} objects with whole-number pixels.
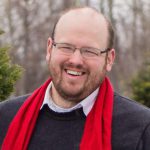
[
  {"x": 141, "y": 85},
  {"x": 9, "y": 73}
]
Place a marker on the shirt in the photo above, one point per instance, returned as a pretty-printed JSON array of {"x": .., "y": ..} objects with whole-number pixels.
[{"x": 86, "y": 103}]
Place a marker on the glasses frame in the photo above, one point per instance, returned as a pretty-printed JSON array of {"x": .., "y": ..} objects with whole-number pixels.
[{"x": 80, "y": 49}]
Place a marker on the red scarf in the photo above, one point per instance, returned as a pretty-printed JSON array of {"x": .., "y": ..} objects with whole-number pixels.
[{"x": 97, "y": 131}]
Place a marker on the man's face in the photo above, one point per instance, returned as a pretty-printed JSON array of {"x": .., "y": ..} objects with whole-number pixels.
[{"x": 75, "y": 77}]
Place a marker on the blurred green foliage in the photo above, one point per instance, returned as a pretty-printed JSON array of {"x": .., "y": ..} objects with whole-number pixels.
[
  {"x": 141, "y": 84},
  {"x": 9, "y": 73}
]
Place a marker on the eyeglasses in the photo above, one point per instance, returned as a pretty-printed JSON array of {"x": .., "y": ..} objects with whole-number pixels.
[{"x": 69, "y": 49}]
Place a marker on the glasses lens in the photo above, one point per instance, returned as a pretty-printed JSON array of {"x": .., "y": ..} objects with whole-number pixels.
[
  {"x": 66, "y": 48},
  {"x": 89, "y": 52}
]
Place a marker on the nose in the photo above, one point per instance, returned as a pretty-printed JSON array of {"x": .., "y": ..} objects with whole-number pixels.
[{"x": 76, "y": 58}]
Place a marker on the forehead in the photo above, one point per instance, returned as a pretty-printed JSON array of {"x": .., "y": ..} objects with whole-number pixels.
[
  {"x": 81, "y": 22},
  {"x": 82, "y": 15}
]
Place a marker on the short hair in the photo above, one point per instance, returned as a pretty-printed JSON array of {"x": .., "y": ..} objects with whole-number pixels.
[{"x": 111, "y": 34}]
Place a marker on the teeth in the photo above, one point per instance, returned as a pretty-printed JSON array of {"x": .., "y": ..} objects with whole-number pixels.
[{"x": 75, "y": 73}]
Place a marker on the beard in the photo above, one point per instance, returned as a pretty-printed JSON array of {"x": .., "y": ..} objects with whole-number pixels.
[{"x": 90, "y": 84}]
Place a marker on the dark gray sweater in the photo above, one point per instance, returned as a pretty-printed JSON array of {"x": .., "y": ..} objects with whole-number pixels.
[{"x": 63, "y": 131}]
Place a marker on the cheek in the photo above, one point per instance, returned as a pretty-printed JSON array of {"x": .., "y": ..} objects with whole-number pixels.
[
  {"x": 54, "y": 59},
  {"x": 54, "y": 68},
  {"x": 98, "y": 67},
  {"x": 56, "y": 62}
]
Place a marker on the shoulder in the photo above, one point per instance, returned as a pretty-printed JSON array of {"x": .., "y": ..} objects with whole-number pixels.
[
  {"x": 131, "y": 123},
  {"x": 12, "y": 105},
  {"x": 8, "y": 110},
  {"x": 126, "y": 106}
]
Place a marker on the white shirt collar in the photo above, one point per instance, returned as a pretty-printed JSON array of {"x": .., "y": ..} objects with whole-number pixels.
[{"x": 86, "y": 103}]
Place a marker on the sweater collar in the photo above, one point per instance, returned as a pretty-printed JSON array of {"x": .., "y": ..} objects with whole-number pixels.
[{"x": 86, "y": 103}]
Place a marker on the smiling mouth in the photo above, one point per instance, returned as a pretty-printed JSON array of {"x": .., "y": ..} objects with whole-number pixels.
[{"x": 74, "y": 73}]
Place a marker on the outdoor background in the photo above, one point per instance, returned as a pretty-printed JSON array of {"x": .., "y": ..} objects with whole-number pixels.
[{"x": 28, "y": 24}]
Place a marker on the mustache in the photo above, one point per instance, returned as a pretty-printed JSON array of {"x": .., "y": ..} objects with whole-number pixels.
[{"x": 74, "y": 66}]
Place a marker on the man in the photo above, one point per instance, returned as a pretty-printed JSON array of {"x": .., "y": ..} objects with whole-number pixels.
[{"x": 76, "y": 108}]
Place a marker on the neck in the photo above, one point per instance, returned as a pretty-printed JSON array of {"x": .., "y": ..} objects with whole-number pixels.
[{"x": 60, "y": 101}]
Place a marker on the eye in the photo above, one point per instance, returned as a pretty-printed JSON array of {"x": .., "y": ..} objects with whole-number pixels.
[
  {"x": 65, "y": 48},
  {"x": 90, "y": 52}
]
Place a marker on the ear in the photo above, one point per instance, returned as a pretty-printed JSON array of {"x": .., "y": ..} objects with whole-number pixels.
[
  {"x": 49, "y": 48},
  {"x": 110, "y": 59}
]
